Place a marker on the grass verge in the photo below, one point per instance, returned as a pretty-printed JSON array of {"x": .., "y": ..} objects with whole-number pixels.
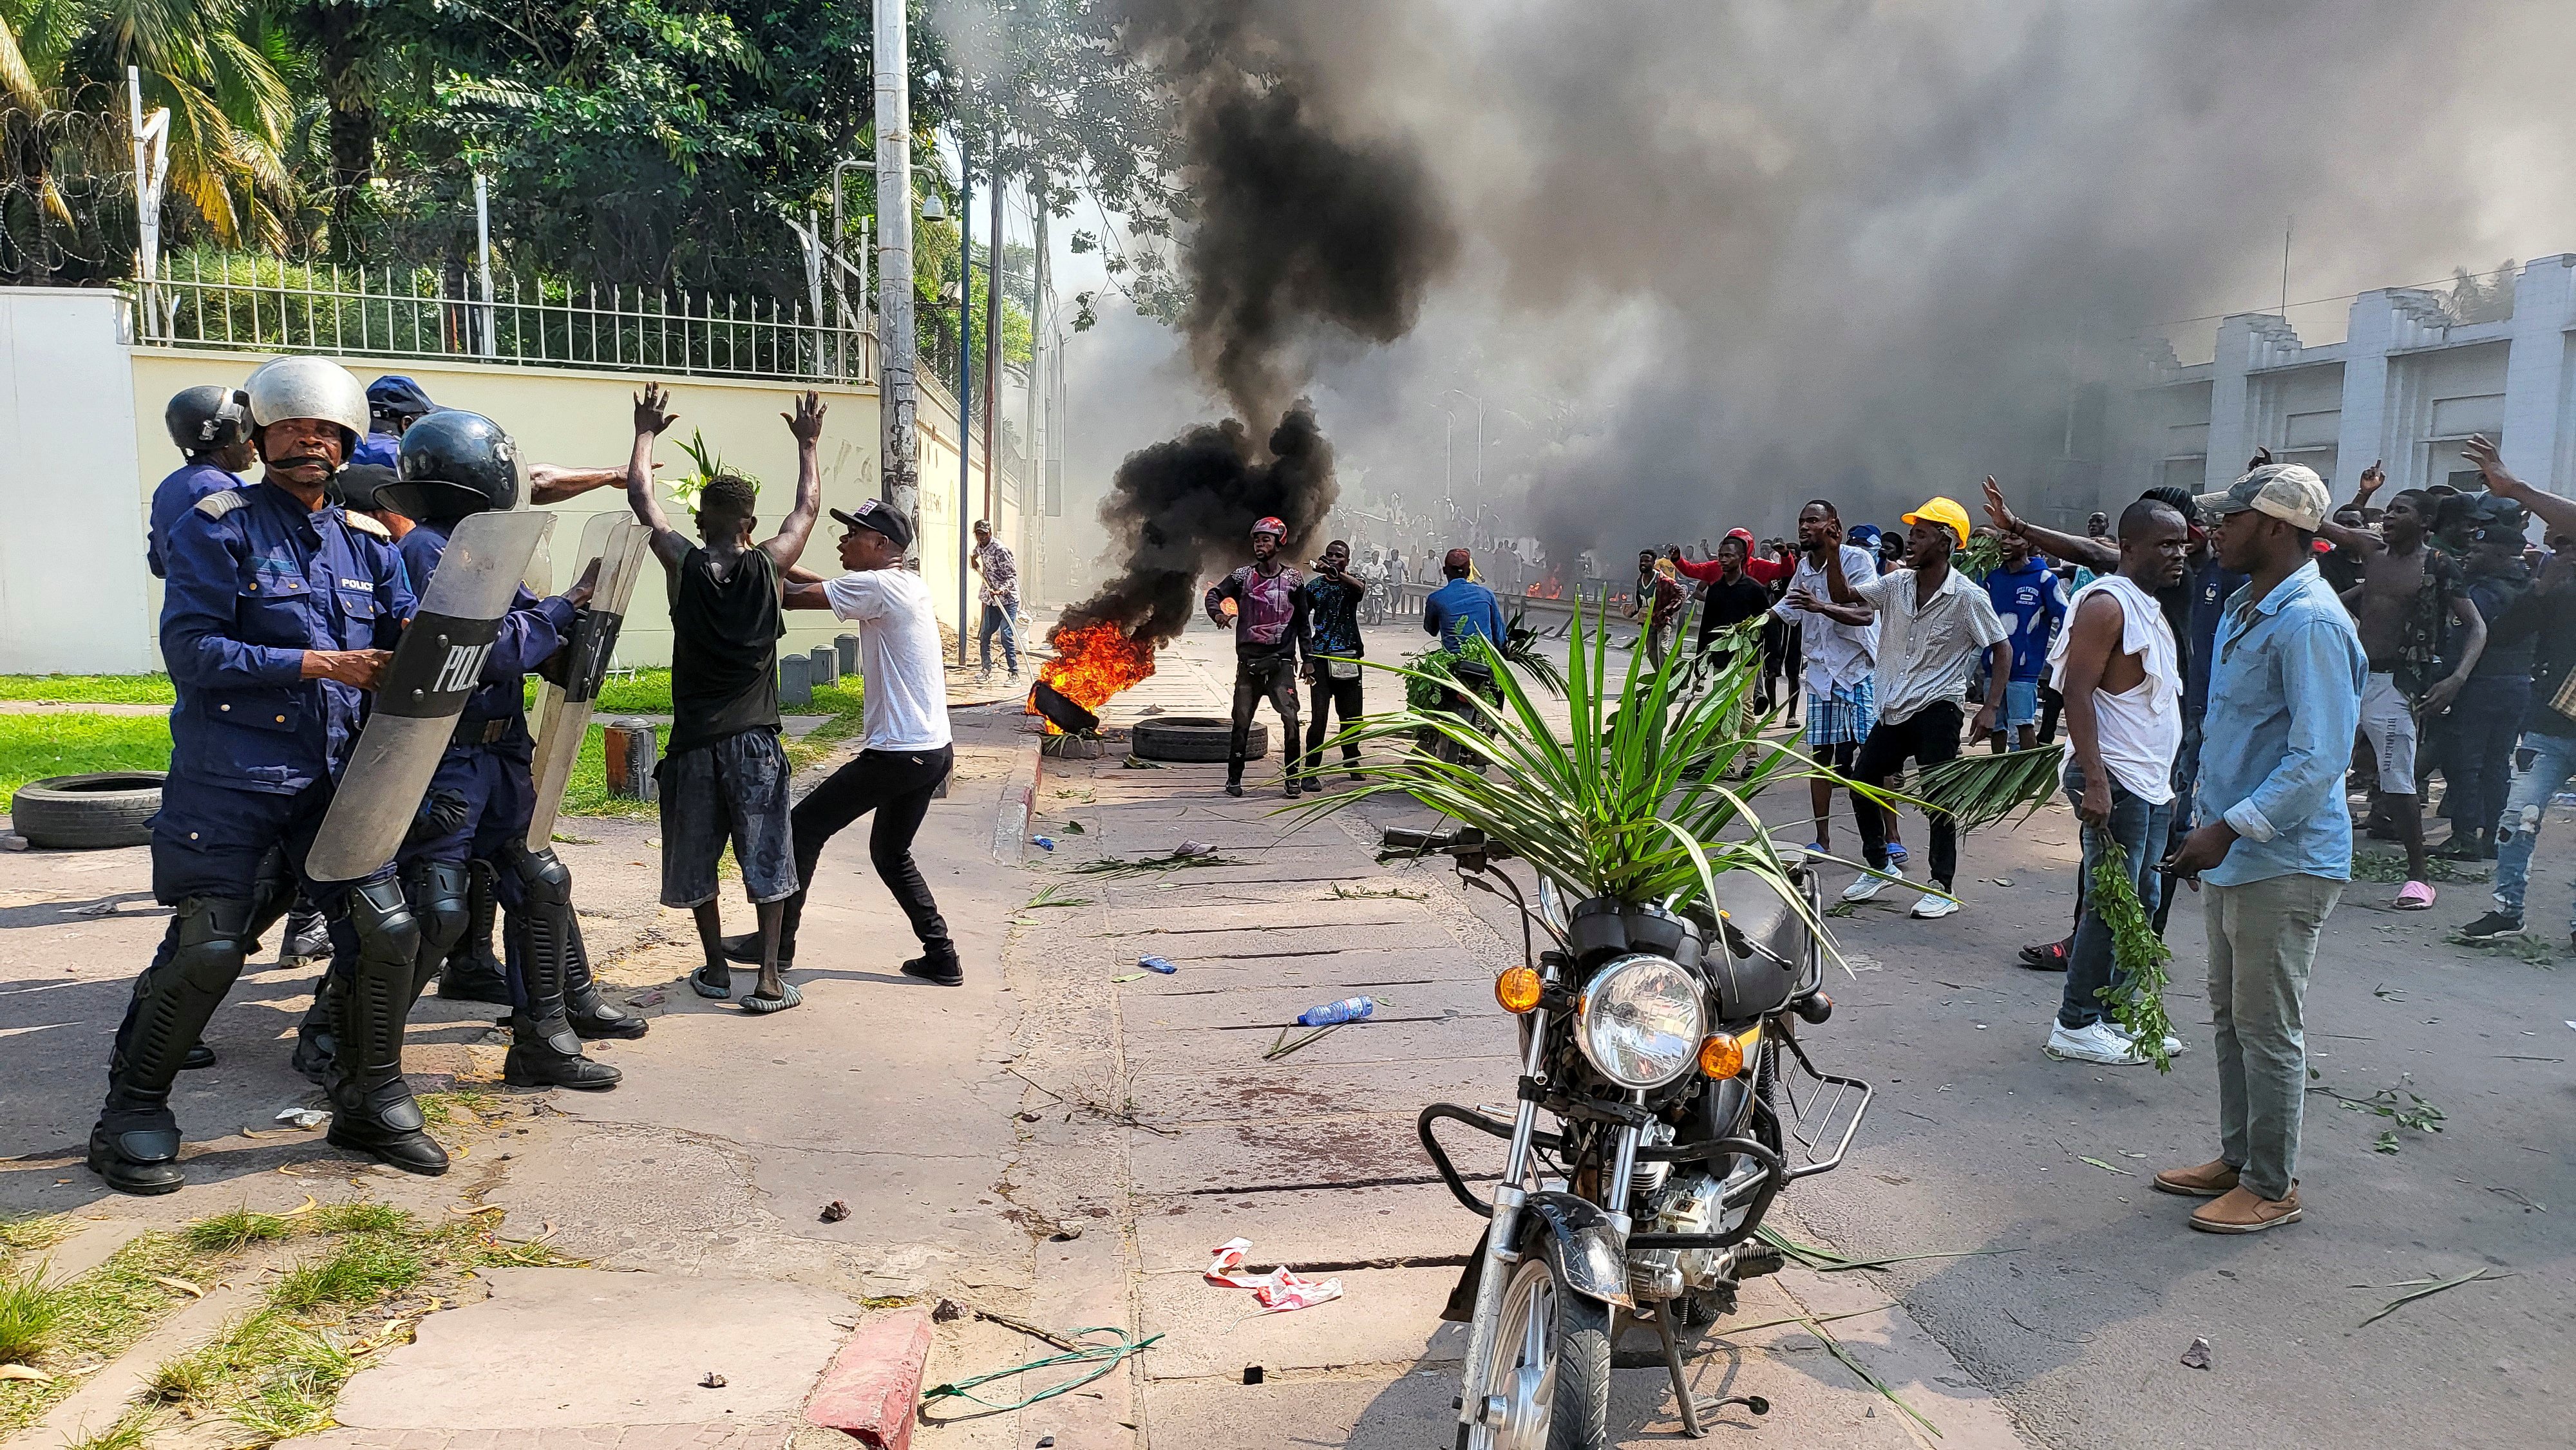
[
  {"x": 276, "y": 1372},
  {"x": 33, "y": 747},
  {"x": 89, "y": 689},
  {"x": 94, "y": 1317}
]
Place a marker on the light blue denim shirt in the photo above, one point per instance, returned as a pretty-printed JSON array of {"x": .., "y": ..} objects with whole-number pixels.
[{"x": 2284, "y": 701}]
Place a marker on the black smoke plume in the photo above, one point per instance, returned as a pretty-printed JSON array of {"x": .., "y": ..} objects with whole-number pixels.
[
  {"x": 1185, "y": 509},
  {"x": 1300, "y": 235}
]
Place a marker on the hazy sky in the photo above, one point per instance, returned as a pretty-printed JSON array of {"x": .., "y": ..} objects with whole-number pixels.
[{"x": 1717, "y": 258}]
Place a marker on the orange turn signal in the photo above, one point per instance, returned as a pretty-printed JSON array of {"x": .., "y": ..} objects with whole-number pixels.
[
  {"x": 1517, "y": 989},
  {"x": 1723, "y": 1054}
]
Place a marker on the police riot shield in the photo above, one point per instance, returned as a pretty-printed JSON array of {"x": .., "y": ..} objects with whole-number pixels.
[
  {"x": 422, "y": 691},
  {"x": 619, "y": 546}
]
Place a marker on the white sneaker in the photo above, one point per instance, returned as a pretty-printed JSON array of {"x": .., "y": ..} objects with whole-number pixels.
[
  {"x": 2173, "y": 1045},
  {"x": 1867, "y": 885},
  {"x": 1933, "y": 906},
  {"x": 2097, "y": 1043}
]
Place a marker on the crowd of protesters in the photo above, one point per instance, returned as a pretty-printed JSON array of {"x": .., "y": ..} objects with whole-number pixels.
[{"x": 2222, "y": 664}]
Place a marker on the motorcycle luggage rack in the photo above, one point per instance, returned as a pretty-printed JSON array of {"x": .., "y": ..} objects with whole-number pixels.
[{"x": 1809, "y": 1124}]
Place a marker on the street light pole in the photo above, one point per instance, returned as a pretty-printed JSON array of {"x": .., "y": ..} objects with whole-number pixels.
[
  {"x": 898, "y": 395},
  {"x": 965, "y": 366}
]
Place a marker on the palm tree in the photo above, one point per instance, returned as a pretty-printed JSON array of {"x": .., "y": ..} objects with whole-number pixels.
[{"x": 216, "y": 65}]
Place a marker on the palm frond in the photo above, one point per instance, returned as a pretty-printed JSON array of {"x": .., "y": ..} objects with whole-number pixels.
[
  {"x": 1979, "y": 790},
  {"x": 1633, "y": 802}
]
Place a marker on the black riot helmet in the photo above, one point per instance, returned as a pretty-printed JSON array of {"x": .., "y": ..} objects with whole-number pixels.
[
  {"x": 203, "y": 419},
  {"x": 453, "y": 463}
]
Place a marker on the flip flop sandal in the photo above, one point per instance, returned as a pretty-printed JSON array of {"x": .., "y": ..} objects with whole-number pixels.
[
  {"x": 762, "y": 1006},
  {"x": 718, "y": 986},
  {"x": 2414, "y": 896}
]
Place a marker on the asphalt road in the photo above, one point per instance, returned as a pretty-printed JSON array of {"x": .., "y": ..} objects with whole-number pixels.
[{"x": 2091, "y": 1288}]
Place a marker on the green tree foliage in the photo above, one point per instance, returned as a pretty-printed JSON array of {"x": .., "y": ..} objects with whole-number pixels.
[
  {"x": 222, "y": 70},
  {"x": 637, "y": 143}
]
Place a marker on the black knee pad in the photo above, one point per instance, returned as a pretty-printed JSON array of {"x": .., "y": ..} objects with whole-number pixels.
[
  {"x": 440, "y": 905},
  {"x": 209, "y": 939},
  {"x": 387, "y": 931},
  {"x": 544, "y": 877}
]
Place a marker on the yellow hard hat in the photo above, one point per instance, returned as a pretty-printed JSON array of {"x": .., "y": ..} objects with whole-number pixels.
[{"x": 1945, "y": 512}]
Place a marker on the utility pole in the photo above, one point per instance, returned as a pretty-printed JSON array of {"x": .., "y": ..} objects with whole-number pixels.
[
  {"x": 992, "y": 319},
  {"x": 898, "y": 397},
  {"x": 966, "y": 366},
  {"x": 1035, "y": 433}
]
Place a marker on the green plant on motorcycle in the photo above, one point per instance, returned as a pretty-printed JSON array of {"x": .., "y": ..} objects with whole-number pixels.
[{"x": 1640, "y": 814}]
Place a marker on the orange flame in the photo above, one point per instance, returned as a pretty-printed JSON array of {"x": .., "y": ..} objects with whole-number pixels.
[
  {"x": 1095, "y": 661},
  {"x": 1546, "y": 588}
]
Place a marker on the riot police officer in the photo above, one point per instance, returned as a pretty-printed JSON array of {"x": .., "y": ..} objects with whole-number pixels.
[
  {"x": 211, "y": 427},
  {"x": 454, "y": 464},
  {"x": 278, "y": 617}
]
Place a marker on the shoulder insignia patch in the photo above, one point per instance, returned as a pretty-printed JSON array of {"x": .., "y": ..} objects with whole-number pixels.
[
  {"x": 223, "y": 501},
  {"x": 366, "y": 525}
]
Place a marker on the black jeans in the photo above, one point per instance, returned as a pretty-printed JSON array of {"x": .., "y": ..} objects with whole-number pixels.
[
  {"x": 2478, "y": 738},
  {"x": 1271, "y": 676},
  {"x": 1330, "y": 693},
  {"x": 897, "y": 785},
  {"x": 1930, "y": 737}
]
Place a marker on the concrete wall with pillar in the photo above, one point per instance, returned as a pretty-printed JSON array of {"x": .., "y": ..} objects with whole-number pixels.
[{"x": 81, "y": 406}]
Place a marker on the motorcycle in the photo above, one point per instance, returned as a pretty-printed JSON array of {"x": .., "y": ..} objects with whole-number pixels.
[{"x": 1664, "y": 1049}]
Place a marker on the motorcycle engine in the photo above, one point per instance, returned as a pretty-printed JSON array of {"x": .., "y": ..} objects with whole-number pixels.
[{"x": 1692, "y": 1208}]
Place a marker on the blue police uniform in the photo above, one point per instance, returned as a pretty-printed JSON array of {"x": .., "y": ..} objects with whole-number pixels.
[
  {"x": 383, "y": 450},
  {"x": 175, "y": 495},
  {"x": 478, "y": 809},
  {"x": 487, "y": 763},
  {"x": 254, "y": 581}
]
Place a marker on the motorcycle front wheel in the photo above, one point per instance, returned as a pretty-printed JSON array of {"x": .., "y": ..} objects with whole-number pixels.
[{"x": 1548, "y": 1363}]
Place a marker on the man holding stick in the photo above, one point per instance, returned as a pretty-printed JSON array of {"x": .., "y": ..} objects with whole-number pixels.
[{"x": 2117, "y": 666}]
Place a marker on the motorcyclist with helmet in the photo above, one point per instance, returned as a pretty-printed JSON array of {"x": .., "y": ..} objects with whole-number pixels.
[
  {"x": 453, "y": 464},
  {"x": 1270, "y": 639},
  {"x": 279, "y": 616}
]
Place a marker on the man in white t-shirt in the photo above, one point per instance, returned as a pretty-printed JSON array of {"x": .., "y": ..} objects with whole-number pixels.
[
  {"x": 905, "y": 713},
  {"x": 1931, "y": 623}
]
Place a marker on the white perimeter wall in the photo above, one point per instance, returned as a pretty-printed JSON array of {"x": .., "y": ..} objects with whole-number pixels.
[
  {"x": 82, "y": 445},
  {"x": 74, "y": 595}
]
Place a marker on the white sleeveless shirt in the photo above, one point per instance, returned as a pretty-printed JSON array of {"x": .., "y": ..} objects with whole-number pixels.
[{"x": 2139, "y": 730}]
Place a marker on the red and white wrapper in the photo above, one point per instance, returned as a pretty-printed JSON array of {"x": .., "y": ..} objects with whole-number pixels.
[{"x": 1278, "y": 1291}]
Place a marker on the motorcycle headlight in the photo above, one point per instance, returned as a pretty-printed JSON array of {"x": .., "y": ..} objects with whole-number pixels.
[{"x": 1641, "y": 1021}]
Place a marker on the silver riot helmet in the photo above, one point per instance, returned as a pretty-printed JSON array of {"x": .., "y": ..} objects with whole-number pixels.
[{"x": 308, "y": 387}]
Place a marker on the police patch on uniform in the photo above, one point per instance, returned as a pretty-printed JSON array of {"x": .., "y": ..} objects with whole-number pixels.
[{"x": 223, "y": 501}]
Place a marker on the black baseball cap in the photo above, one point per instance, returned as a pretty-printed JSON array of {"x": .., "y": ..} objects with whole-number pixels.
[{"x": 878, "y": 517}]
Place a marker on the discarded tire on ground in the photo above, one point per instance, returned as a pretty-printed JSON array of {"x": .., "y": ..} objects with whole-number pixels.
[
  {"x": 87, "y": 812},
  {"x": 1194, "y": 738}
]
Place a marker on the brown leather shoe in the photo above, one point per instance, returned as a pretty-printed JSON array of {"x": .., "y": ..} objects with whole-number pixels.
[
  {"x": 2238, "y": 1211},
  {"x": 2208, "y": 1180}
]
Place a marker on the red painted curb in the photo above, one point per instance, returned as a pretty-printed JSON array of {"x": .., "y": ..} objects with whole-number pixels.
[{"x": 873, "y": 1384}]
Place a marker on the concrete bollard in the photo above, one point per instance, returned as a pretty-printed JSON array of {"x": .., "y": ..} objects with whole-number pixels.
[
  {"x": 827, "y": 664},
  {"x": 795, "y": 680},
  {"x": 847, "y": 646},
  {"x": 631, "y": 751}
]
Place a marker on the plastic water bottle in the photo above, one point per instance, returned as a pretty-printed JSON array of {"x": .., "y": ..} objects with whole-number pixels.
[
  {"x": 1156, "y": 964},
  {"x": 1044, "y": 843},
  {"x": 1349, "y": 1009}
]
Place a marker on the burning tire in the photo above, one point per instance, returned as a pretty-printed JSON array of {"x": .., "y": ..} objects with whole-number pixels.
[{"x": 1195, "y": 739}]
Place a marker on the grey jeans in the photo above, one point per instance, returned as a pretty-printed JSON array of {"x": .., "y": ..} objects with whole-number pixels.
[{"x": 2262, "y": 941}]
